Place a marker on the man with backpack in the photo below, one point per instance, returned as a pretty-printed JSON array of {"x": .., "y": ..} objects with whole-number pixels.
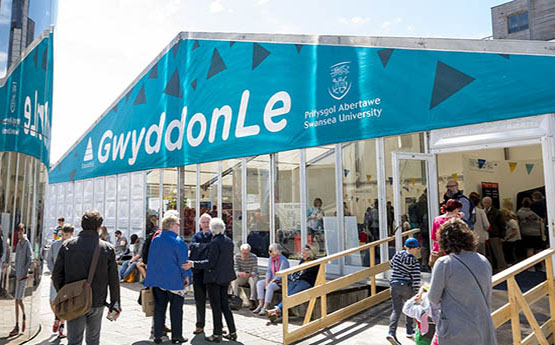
[{"x": 72, "y": 265}]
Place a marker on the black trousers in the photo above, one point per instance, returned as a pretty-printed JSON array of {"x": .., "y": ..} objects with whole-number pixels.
[
  {"x": 161, "y": 299},
  {"x": 220, "y": 305},
  {"x": 199, "y": 289}
]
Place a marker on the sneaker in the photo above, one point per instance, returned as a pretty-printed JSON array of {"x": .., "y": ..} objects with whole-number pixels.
[
  {"x": 55, "y": 326},
  {"x": 410, "y": 333},
  {"x": 15, "y": 331},
  {"x": 392, "y": 339},
  {"x": 257, "y": 309},
  {"x": 179, "y": 340},
  {"x": 262, "y": 312}
]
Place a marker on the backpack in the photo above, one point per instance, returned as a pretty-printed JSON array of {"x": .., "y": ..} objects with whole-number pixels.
[{"x": 75, "y": 299}]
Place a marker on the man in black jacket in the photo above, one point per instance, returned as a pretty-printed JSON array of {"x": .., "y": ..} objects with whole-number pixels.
[
  {"x": 218, "y": 273},
  {"x": 72, "y": 264},
  {"x": 497, "y": 233},
  {"x": 198, "y": 244}
]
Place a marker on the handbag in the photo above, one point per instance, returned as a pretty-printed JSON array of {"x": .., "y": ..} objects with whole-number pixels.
[
  {"x": 75, "y": 299},
  {"x": 147, "y": 301}
]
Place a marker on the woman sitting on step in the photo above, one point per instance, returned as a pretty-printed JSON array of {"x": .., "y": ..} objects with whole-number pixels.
[{"x": 298, "y": 281}]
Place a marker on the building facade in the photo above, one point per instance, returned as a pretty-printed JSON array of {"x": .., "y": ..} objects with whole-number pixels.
[{"x": 524, "y": 20}]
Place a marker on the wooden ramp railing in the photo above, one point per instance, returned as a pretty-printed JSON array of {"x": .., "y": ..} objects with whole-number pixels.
[
  {"x": 322, "y": 288},
  {"x": 519, "y": 301}
]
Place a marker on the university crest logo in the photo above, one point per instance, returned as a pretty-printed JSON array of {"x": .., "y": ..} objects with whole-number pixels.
[{"x": 340, "y": 80}]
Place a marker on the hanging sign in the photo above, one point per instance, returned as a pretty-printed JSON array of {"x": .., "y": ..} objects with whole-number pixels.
[{"x": 206, "y": 100}]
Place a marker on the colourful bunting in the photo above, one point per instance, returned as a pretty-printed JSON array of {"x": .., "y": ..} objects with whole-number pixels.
[
  {"x": 512, "y": 166},
  {"x": 455, "y": 176},
  {"x": 368, "y": 177},
  {"x": 529, "y": 167},
  {"x": 481, "y": 163}
]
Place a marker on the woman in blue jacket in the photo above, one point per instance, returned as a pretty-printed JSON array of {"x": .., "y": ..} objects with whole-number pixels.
[{"x": 166, "y": 275}]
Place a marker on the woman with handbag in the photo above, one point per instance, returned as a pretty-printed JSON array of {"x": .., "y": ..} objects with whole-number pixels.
[
  {"x": 461, "y": 284},
  {"x": 451, "y": 209}
]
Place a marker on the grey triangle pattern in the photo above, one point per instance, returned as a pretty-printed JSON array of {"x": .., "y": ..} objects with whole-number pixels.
[
  {"x": 196, "y": 45},
  {"x": 217, "y": 65},
  {"x": 141, "y": 98},
  {"x": 385, "y": 55},
  {"x": 259, "y": 54},
  {"x": 72, "y": 174},
  {"x": 173, "y": 87},
  {"x": 44, "y": 62},
  {"x": 115, "y": 108},
  {"x": 127, "y": 95},
  {"x": 448, "y": 81},
  {"x": 298, "y": 47},
  {"x": 194, "y": 84},
  {"x": 153, "y": 72},
  {"x": 506, "y": 56},
  {"x": 36, "y": 58},
  {"x": 231, "y": 43}
]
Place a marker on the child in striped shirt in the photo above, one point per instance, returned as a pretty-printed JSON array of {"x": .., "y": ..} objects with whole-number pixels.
[{"x": 405, "y": 282}]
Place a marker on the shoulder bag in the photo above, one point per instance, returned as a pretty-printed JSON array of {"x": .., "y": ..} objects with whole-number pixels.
[{"x": 75, "y": 299}]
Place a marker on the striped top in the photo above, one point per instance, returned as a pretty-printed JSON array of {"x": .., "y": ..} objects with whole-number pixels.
[
  {"x": 249, "y": 265},
  {"x": 405, "y": 267}
]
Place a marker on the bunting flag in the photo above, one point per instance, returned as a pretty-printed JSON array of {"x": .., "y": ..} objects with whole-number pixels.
[
  {"x": 512, "y": 166},
  {"x": 406, "y": 188},
  {"x": 346, "y": 172},
  {"x": 529, "y": 167},
  {"x": 455, "y": 176},
  {"x": 390, "y": 179},
  {"x": 481, "y": 163},
  {"x": 418, "y": 190},
  {"x": 412, "y": 180},
  {"x": 368, "y": 177}
]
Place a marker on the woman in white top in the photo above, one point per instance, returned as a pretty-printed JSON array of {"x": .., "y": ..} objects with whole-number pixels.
[{"x": 481, "y": 223}]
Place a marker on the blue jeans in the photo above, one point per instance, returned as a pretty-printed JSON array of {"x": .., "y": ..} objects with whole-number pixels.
[
  {"x": 127, "y": 268},
  {"x": 293, "y": 287}
]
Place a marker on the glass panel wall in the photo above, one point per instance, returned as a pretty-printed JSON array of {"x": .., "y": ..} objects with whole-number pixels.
[
  {"x": 322, "y": 226},
  {"x": 209, "y": 189},
  {"x": 189, "y": 190},
  {"x": 232, "y": 200},
  {"x": 153, "y": 204},
  {"x": 169, "y": 189},
  {"x": 360, "y": 189},
  {"x": 287, "y": 207},
  {"x": 258, "y": 204}
]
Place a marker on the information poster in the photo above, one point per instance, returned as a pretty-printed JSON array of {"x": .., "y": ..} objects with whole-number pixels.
[{"x": 491, "y": 189}]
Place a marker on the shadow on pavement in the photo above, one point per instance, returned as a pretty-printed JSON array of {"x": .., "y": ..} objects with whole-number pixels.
[
  {"x": 53, "y": 340},
  {"x": 196, "y": 340}
]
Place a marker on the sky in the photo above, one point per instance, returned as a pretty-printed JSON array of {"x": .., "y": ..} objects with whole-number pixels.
[{"x": 101, "y": 46}]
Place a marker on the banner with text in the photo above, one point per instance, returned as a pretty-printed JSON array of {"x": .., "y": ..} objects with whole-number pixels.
[
  {"x": 208, "y": 100},
  {"x": 26, "y": 103}
]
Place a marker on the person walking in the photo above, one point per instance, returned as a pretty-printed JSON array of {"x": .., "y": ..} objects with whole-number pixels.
[
  {"x": 246, "y": 270},
  {"x": 72, "y": 264},
  {"x": 67, "y": 233},
  {"x": 265, "y": 288},
  {"x": 405, "y": 282},
  {"x": 219, "y": 272},
  {"x": 480, "y": 221},
  {"x": 23, "y": 261},
  {"x": 199, "y": 243},
  {"x": 165, "y": 274},
  {"x": 461, "y": 284}
]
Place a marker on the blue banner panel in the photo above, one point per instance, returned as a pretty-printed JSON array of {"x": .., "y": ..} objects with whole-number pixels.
[
  {"x": 26, "y": 103},
  {"x": 207, "y": 100}
]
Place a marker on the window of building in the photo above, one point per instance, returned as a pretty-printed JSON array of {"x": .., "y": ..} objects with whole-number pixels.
[
  {"x": 232, "y": 200},
  {"x": 258, "y": 204},
  {"x": 518, "y": 22}
]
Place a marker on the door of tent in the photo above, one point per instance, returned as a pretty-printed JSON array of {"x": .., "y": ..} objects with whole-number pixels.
[{"x": 415, "y": 194}]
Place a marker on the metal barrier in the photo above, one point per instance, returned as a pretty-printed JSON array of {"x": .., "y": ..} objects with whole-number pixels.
[
  {"x": 322, "y": 288},
  {"x": 519, "y": 301}
]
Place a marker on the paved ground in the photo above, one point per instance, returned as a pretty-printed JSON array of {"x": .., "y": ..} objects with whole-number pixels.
[{"x": 366, "y": 328}]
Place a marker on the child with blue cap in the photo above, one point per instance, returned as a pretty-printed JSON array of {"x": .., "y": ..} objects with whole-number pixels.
[{"x": 405, "y": 282}]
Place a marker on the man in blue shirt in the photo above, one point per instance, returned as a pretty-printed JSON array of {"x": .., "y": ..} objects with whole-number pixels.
[{"x": 168, "y": 253}]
